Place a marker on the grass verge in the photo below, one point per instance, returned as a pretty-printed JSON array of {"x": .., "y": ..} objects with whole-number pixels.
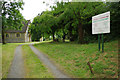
[
  {"x": 0, "y": 60},
  {"x": 34, "y": 68},
  {"x": 7, "y": 57},
  {"x": 73, "y": 58}
]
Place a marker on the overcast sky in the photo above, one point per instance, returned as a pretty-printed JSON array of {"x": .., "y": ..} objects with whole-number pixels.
[{"x": 33, "y": 7}]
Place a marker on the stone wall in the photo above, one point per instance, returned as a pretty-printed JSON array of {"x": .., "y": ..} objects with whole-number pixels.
[{"x": 14, "y": 39}]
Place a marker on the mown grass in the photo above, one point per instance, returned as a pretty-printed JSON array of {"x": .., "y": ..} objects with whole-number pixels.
[
  {"x": 73, "y": 58},
  {"x": 0, "y": 60},
  {"x": 34, "y": 68},
  {"x": 7, "y": 57}
]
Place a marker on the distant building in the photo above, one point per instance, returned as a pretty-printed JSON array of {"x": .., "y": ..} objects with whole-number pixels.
[{"x": 18, "y": 36}]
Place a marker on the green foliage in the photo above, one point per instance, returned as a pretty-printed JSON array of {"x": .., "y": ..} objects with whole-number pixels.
[
  {"x": 44, "y": 23},
  {"x": 115, "y": 14},
  {"x": 11, "y": 16},
  {"x": 73, "y": 20},
  {"x": 36, "y": 34}
]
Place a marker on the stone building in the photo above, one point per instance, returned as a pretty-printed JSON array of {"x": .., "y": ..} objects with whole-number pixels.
[{"x": 18, "y": 36}]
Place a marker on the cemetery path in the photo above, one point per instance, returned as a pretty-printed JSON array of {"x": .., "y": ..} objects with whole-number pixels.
[
  {"x": 49, "y": 64},
  {"x": 17, "y": 66}
]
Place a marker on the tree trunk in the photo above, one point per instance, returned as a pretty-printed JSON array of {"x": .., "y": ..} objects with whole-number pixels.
[
  {"x": 71, "y": 35},
  {"x": 53, "y": 36},
  {"x": 80, "y": 33},
  {"x": 43, "y": 37},
  {"x": 3, "y": 37},
  {"x": 63, "y": 36}
]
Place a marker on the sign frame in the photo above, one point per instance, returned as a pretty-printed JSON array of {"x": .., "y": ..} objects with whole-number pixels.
[{"x": 101, "y": 23}]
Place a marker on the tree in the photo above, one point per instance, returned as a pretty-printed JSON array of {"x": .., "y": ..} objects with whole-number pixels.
[
  {"x": 115, "y": 18},
  {"x": 74, "y": 16},
  {"x": 45, "y": 23},
  {"x": 60, "y": 12},
  {"x": 11, "y": 16},
  {"x": 81, "y": 12},
  {"x": 74, "y": 19},
  {"x": 0, "y": 19}
]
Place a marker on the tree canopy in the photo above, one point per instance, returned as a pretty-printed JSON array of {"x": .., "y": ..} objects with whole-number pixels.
[
  {"x": 11, "y": 16},
  {"x": 73, "y": 20}
]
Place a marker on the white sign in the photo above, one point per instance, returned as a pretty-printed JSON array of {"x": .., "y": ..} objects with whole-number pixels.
[{"x": 101, "y": 23}]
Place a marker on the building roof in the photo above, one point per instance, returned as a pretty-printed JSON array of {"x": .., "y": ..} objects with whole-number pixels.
[{"x": 24, "y": 28}]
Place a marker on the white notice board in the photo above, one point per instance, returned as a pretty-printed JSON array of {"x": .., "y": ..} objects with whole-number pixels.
[{"x": 101, "y": 23}]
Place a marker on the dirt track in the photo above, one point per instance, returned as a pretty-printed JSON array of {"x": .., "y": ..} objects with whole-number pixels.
[
  {"x": 43, "y": 58},
  {"x": 17, "y": 68}
]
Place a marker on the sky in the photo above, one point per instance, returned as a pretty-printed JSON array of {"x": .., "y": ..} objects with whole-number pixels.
[{"x": 33, "y": 7}]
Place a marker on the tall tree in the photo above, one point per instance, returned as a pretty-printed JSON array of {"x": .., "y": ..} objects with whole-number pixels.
[
  {"x": 11, "y": 16},
  {"x": 82, "y": 11},
  {"x": 114, "y": 9},
  {"x": 45, "y": 23},
  {"x": 60, "y": 12},
  {"x": 73, "y": 19},
  {"x": 0, "y": 19}
]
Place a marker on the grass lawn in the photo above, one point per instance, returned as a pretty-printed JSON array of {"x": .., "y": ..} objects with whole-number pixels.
[
  {"x": 7, "y": 57},
  {"x": 73, "y": 58},
  {"x": 0, "y": 60},
  {"x": 34, "y": 68}
]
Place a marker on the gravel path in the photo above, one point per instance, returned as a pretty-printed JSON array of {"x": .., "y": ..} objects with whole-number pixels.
[
  {"x": 17, "y": 67},
  {"x": 43, "y": 58}
]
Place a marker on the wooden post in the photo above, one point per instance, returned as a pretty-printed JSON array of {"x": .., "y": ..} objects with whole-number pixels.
[{"x": 90, "y": 67}]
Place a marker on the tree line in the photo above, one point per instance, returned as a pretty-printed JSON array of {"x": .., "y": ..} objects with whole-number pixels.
[
  {"x": 73, "y": 21},
  {"x": 66, "y": 20}
]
